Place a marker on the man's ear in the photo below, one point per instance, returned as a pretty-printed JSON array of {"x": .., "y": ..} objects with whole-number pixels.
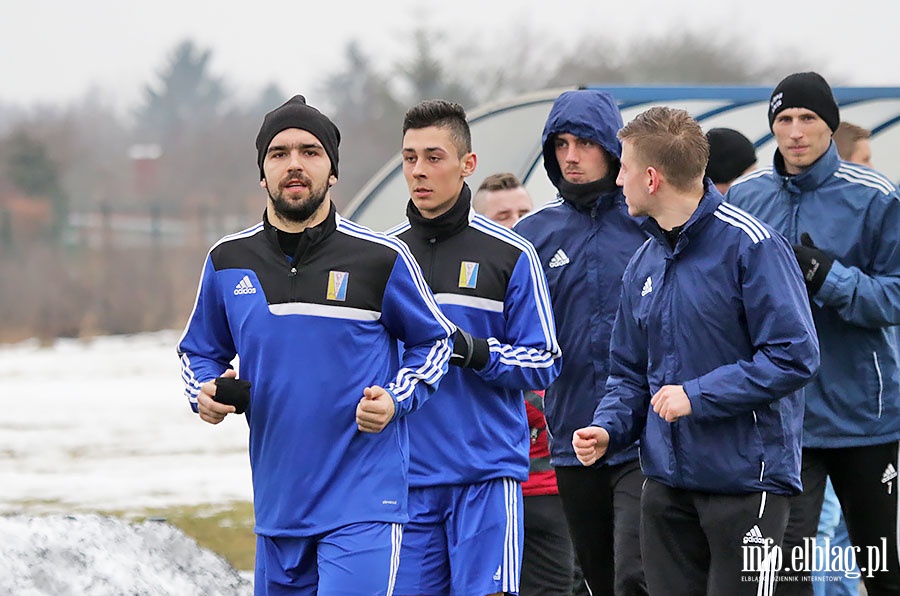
[
  {"x": 469, "y": 162},
  {"x": 263, "y": 184},
  {"x": 332, "y": 180},
  {"x": 653, "y": 180}
]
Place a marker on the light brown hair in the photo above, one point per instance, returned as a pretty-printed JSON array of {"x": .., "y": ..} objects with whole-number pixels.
[
  {"x": 847, "y": 136},
  {"x": 671, "y": 141},
  {"x": 499, "y": 181}
]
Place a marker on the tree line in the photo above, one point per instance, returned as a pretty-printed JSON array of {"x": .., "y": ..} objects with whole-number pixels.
[{"x": 105, "y": 217}]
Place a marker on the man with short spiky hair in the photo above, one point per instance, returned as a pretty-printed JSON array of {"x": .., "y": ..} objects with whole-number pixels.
[
  {"x": 469, "y": 449},
  {"x": 712, "y": 345}
]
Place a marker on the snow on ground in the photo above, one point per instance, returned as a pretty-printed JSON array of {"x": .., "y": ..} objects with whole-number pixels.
[
  {"x": 103, "y": 556},
  {"x": 103, "y": 424}
]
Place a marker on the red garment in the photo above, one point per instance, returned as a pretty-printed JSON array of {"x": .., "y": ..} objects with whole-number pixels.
[{"x": 541, "y": 478}]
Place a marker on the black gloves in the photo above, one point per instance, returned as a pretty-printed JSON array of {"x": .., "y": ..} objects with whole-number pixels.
[
  {"x": 468, "y": 351},
  {"x": 814, "y": 263},
  {"x": 233, "y": 392}
]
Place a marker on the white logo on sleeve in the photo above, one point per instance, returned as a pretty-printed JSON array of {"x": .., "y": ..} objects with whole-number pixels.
[
  {"x": 559, "y": 259},
  {"x": 245, "y": 286},
  {"x": 648, "y": 286}
]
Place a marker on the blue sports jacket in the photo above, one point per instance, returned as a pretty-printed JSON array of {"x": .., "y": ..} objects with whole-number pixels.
[
  {"x": 725, "y": 315},
  {"x": 852, "y": 213},
  {"x": 311, "y": 333},
  {"x": 488, "y": 281},
  {"x": 583, "y": 251}
]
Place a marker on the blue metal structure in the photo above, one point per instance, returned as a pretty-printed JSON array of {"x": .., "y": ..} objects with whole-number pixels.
[{"x": 506, "y": 135}]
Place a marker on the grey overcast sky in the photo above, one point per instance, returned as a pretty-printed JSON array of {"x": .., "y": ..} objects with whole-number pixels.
[{"x": 55, "y": 51}]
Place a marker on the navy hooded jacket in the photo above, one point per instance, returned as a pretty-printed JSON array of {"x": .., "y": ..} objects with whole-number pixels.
[{"x": 583, "y": 251}]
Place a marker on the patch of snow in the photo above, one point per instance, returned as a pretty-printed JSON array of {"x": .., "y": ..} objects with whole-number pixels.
[{"x": 105, "y": 556}]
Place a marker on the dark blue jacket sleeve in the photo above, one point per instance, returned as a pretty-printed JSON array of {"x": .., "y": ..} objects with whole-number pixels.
[
  {"x": 870, "y": 298},
  {"x": 623, "y": 410},
  {"x": 780, "y": 324}
]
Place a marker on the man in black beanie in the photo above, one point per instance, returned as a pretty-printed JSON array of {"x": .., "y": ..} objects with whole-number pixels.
[
  {"x": 314, "y": 307},
  {"x": 844, "y": 222},
  {"x": 731, "y": 155}
]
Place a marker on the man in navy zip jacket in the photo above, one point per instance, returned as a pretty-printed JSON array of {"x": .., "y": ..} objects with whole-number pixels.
[
  {"x": 712, "y": 344},
  {"x": 585, "y": 238},
  {"x": 469, "y": 445},
  {"x": 844, "y": 222},
  {"x": 314, "y": 305}
]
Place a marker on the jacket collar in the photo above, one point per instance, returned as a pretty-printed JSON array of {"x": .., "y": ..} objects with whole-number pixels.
[
  {"x": 309, "y": 237},
  {"x": 711, "y": 200},
  {"x": 812, "y": 177},
  {"x": 597, "y": 195},
  {"x": 445, "y": 225}
]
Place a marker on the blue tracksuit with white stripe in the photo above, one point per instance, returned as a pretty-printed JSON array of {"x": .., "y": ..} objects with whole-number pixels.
[
  {"x": 725, "y": 315},
  {"x": 852, "y": 214},
  {"x": 488, "y": 281},
  {"x": 311, "y": 333}
]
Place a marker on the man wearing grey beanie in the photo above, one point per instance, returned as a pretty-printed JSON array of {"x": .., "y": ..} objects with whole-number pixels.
[
  {"x": 313, "y": 307},
  {"x": 844, "y": 222}
]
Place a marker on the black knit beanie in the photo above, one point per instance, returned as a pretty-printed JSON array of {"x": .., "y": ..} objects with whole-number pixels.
[
  {"x": 730, "y": 154},
  {"x": 294, "y": 113},
  {"x": 805, "y": 90}
]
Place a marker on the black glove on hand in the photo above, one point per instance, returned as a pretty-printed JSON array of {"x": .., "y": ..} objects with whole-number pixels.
[
  {"x": 814, "y": 263},
  {"x": 468, "y": 351},
  {"x": 233, "y": 392}
]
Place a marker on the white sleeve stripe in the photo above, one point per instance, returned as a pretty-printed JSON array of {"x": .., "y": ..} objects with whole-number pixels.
[
  {"x": 406, "y": 379},
  {"x": 746, "y": 218},
  {"x": 540, "y": 290},
  {"x": 754, "y": 174},
  {"x": 851, "y": 177},
  {"x": 521, "y": 355},
  {"x": 750, "y": 232},
  {"x": 867, "y": 174},
  {"x": 191, "y": 386}
]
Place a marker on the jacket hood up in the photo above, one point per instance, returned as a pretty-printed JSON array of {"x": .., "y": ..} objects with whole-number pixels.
[{"x": 586, "y": 113}]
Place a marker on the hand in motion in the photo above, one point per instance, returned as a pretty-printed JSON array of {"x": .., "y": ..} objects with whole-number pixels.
[
  {"x": 374, "y": 410},
  {"x": 590, "y": 444},
  {"x": 671, "y": 403},
  {"x": 210, "y": 410}
]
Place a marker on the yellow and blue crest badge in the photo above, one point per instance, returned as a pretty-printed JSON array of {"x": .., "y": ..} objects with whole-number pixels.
[
  {"x": 337, "y": 285},
  {"x": 468, "y": 275}
]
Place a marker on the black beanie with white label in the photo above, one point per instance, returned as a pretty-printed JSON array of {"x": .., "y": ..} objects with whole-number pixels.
[{"x": 805, "y": 90}]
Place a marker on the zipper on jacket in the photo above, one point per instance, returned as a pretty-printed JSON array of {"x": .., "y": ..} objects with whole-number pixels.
[
  {"x": 795, "y": 218},
  {"x": 432, "y": 253},
  {"x": 293, "y": 275}
]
